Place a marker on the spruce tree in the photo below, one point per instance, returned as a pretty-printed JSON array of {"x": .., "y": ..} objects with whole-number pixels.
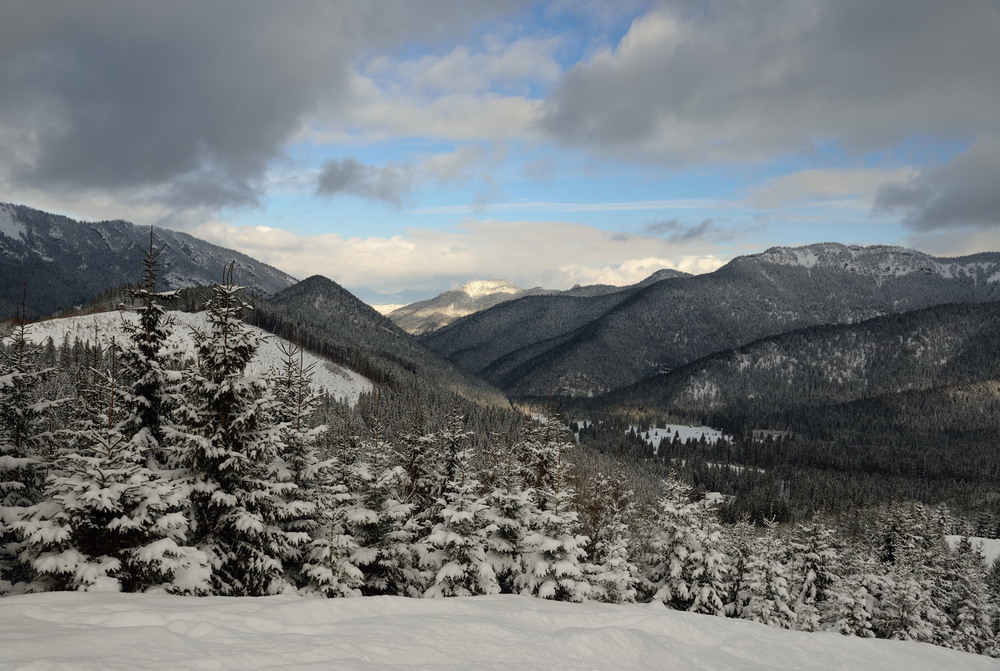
[
  {"x": 108, "y": 522},
  {"x": 27, "y": 445},
  {"x": 230, "y": 440},
  {"x": 554, "y": 552},
  {"x": 690, "y": 570},
  {"x": 457, "y": 543}
]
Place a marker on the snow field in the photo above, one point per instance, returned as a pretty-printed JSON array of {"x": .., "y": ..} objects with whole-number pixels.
[
  {"x": 100, "y": 328},
  {"x": 656, "y": 434},
  {"x": 75, "y": 630}
]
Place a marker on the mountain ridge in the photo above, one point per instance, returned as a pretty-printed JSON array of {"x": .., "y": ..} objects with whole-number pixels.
[
  {"x": 534, "y": 347},
  {"x": 425, "y": 317},
  {"x": 58, "y": 262}
]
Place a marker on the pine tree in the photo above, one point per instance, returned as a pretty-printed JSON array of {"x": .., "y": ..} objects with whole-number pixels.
[
  {"x": 690, "y": 570},
  {"x": 763, "y": 594},
  {"x": 107, "y": 522},
  {"x": 229, "y": 441},
  {"x": 26, "y": 445},
  {"x": 510, "y": 511},
  {"x": 968, "y": 609},
  {"x": 457, "y": 543},
  {"x": 378, "y": 520},
  {"x": 148, "y": 359},
  {"x": 553, "y": 552},
  {"x": 812, "y": 575},
  {"x": 609, "y": 567}
]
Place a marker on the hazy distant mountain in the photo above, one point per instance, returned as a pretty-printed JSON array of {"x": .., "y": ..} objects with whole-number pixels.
[
  {"x": 62, "y": 262},
  {"x": 555, "y": 345},
  {"x": 425, "y": 317},
  {"x": 331, "y": 321}
]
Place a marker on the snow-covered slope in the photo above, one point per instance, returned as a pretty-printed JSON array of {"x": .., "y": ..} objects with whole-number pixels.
[
  {"x": 883, "y": 261},
  {"x": 100, "y": 328},
  {"x": 75, "y": 630}
]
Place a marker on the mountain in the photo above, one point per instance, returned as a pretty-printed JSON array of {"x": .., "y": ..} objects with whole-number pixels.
[
  {"x": 59, "y": 262},
  {"x": 330, "y": 321},
  {"x": 557, "y": 345},
  {"x": 942, "y": 346},
  {"x": 433, "y": 314}
]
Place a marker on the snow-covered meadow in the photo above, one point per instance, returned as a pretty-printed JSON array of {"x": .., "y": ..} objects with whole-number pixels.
[
  {"x": 75, "y": 630},
  {"x": 100, "y": 328},
  {"x": 657, "y": 433}
]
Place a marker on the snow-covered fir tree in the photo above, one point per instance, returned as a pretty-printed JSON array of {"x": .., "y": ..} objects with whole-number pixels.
[
  {"x": 456, "y": 547},
  {"x": 762, "y": 595},
  {"x": 229, "y": 439},
  {"x": 968, "y": 608},
  {"x": 150, "y": 364},
  {"x": 379, "y": 521},
  {"x": 812, "y": 574},
  {"x": 554, "y": 552},
  {"x": 609, "y": 568},
  {"x": 27, "y": 445},
  {"x": 108, "y": 522},
  {"x": 689, "y": 569},
  {"x": 510, "y": 511}
]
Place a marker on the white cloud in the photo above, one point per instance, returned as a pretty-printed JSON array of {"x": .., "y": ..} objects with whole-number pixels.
[
  {"x": 518, "y": 65},
  {"x": 550, "y": 254}
]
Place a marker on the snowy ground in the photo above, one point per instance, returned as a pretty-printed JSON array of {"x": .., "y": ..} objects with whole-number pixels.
[
  {"x": 990, "y": 547},
  {"x": 100, "y": 328},
  {"x": 657, "y": 433},
  {"x": 73, "y": 630}
]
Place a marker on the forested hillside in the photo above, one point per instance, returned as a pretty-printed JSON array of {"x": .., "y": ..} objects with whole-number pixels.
[{"x": 548, "y": 347}]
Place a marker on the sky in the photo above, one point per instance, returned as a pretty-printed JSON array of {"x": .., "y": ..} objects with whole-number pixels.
[{"x": 405, "y": 147}]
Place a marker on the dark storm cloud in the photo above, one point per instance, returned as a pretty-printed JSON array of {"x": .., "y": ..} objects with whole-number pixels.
[
  {"x": 192, "y": 99},
  {"x": 743, "y": 80},
  {"x": 389, "y": 184},
  {"x": 963, "y": 193}
]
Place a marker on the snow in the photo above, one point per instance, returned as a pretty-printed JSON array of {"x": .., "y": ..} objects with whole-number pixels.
[
  {"x": 480, "y": 288},
  {"x": 9, "y": 226},
  {"x": 657, "y": 433},
  {"x": 339, "y": 382},
  {"x": 386, "y": 308},
  {"x": 76, "y": 630},
  {"x": 990, "y": 547}
]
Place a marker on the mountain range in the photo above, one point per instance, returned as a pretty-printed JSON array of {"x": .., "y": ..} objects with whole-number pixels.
[
  {"x": 55, "y": 262},
  {"x": 561, "y": 345},
  {"x": 433, "y": 314}
]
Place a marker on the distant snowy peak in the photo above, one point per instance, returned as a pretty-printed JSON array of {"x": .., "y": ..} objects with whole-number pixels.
[
  {"x": 882, "y": 261},
  {"x": 480, "y": 288}
]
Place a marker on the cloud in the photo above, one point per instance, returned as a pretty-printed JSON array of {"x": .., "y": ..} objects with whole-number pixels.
[
  {"x": 170, "y": 97},
  {"x": 388, "y": 183},
  {"x": 550, "y": 254},
  {"x": 674, "y": 231},
  {"x": 962, "y": 193},
  {"x": 825, "y": 185},
  {"x": 748, "y": 81}
]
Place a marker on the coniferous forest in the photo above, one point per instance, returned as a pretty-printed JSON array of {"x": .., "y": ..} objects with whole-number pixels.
[{"x": 137, "y": 467}]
